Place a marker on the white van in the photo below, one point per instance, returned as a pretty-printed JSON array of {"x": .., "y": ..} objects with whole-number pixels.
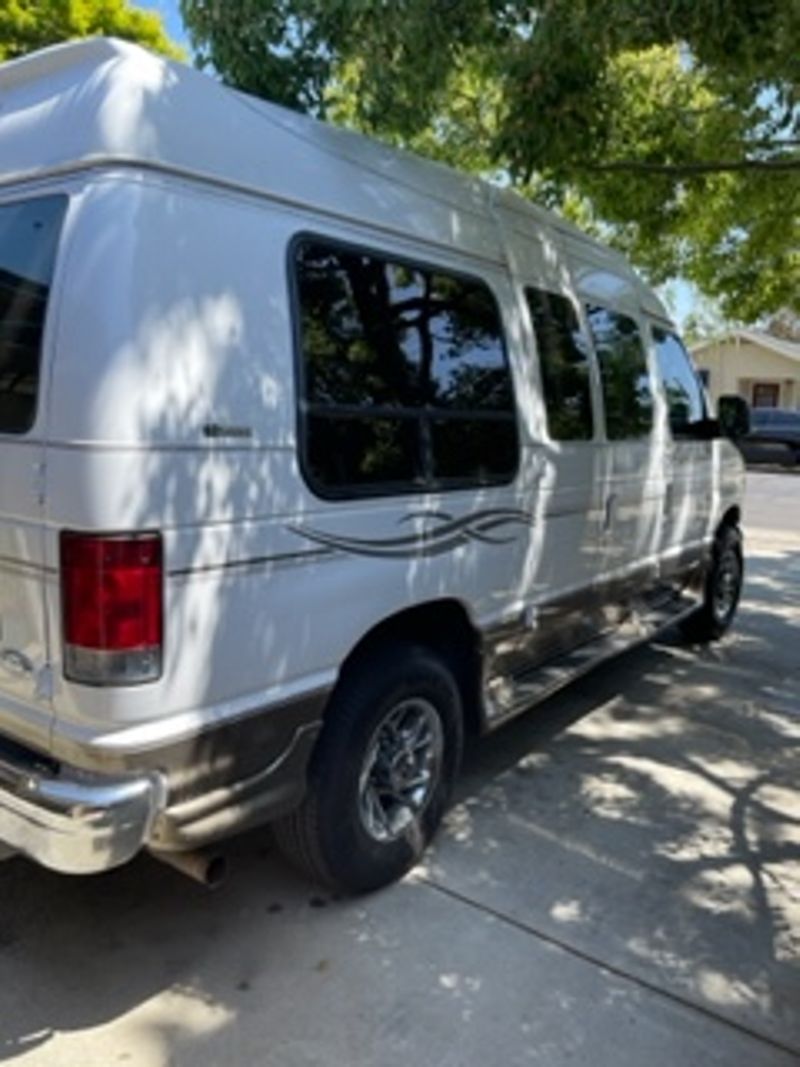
[{"x": 313, "y": 456}]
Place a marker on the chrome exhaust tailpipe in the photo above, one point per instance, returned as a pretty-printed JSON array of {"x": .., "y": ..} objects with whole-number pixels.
[{"x": 207, "y": 868}]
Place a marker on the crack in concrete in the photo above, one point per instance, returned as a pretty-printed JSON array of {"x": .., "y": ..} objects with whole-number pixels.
[{"x": 609, "y": 968}]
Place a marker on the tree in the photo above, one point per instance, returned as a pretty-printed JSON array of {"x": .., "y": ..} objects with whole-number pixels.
[
  {"x": 670, "y": 127},
  {"x": 784, "y": 324},
  {"x": 705, "y": 322},
  {"x": 26, "y": 25}
]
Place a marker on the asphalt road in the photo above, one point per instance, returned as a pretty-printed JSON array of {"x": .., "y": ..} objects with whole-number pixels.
[{"x": 618, "y": 884}]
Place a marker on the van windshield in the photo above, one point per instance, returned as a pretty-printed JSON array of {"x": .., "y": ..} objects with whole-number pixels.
[{"x": 29, "y": 232}]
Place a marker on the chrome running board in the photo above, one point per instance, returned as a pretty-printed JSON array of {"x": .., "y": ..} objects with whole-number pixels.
[{"x": 507, "y": 696}]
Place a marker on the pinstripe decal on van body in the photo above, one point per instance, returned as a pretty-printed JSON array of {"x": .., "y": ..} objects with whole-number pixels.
[{"x": 489, "y": 527}]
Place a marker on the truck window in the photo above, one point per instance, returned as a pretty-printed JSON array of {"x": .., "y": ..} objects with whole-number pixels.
[
  {"x": 564, "y": 366},
  {"x": 404, "y": 377},
  {"x": 627, "y": 395},
  {"x": 29, "y": 232},
  {"x": 681, "y": 385}
]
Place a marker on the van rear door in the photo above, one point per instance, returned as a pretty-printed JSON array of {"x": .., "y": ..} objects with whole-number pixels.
[{"x": 29, "y": 233}]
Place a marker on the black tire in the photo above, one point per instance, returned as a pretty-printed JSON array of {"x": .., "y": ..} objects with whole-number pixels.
[
  {"x": 723, "y": 588},
  {"x": 328, "y": 836}
]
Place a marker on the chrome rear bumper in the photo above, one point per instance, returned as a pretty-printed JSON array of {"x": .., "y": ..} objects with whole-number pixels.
[{"x": 74, "y": 822}]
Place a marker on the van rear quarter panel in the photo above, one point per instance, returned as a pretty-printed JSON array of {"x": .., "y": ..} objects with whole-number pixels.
[
  {"x": 25, "y": 699},
  {"x": 24, "y": 690},
  {"x": 176, "y": 316}
]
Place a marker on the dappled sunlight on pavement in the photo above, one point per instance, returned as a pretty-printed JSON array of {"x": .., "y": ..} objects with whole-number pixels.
[{"x": 650, "y": 816}]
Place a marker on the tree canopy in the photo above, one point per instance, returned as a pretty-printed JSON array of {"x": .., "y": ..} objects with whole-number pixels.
[
  {"x": 26, "y": 25},
  {"x": 669, "y": 127}
]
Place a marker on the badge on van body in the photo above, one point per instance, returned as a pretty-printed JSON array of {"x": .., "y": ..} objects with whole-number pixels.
[{"x": 217, "y": 430}]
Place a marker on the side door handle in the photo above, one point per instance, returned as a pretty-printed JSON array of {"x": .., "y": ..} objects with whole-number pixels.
[{"x": 608, "y": 517}]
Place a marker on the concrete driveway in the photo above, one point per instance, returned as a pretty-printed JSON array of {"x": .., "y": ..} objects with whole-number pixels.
[{"x": 619, "y": 883}]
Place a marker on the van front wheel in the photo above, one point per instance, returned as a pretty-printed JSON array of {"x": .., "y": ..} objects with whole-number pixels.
[
  {"x": 382, "y": 772},
  {"x": 722, "y": 589}
]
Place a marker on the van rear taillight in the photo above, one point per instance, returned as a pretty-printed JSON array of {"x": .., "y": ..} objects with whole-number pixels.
[{"x": 111, "y": 597}]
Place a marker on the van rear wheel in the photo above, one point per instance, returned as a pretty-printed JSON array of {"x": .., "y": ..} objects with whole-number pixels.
[
  {"x": 722, "y": 590},
  {"x": 381, "y": 774}
]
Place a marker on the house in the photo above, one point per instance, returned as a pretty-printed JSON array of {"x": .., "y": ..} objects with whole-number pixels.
[{"x": 765, "y": 370}]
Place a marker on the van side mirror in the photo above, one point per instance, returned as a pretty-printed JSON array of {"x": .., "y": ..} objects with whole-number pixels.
[{"x": 734, "y": 416}]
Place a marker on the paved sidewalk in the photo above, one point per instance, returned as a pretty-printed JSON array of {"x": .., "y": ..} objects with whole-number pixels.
[{"x": 618, "y": 884}]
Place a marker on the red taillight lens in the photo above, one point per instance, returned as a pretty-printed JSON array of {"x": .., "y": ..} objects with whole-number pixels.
[{"x": 111, "y": 594}]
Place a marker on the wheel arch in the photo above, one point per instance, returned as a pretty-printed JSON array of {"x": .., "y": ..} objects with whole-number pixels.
[{"x": 444, "y": 626}]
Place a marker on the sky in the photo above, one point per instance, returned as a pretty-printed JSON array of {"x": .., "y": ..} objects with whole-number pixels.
[
  {"x": 170, "y": 12},
  {"x": 683, "y": 298}
]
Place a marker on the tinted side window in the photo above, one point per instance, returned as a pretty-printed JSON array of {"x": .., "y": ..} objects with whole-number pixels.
[
  {"x": 29, "y": 233},
  {"x": 623, "y": 372},
  {"x": 684, "y": 395},
  {"x": 405, "y": 381},
  {"x": 357, "y": 451},
  {"x": 564, "y": 365}
]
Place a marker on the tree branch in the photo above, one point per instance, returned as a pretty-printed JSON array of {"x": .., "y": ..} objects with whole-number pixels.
[{"x": 688, "y": 170}]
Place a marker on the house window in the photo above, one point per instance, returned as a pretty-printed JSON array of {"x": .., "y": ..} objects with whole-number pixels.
[
  {"x": 766, "y": 394},
  {"x": 705, "y": 377}
]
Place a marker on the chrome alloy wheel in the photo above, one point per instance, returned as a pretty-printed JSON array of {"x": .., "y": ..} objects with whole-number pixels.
[
  {"x": 727, "y": 582},
  {"x": 401, "y": 769}
]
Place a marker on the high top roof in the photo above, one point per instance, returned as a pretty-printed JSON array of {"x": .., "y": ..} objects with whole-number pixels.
[
  {"x": 104, "y": 98},
  {"x": 104, "y": 102}
]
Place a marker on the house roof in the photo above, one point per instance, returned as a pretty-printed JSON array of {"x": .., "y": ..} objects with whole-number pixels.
[{"x": 789, "y": 349}]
